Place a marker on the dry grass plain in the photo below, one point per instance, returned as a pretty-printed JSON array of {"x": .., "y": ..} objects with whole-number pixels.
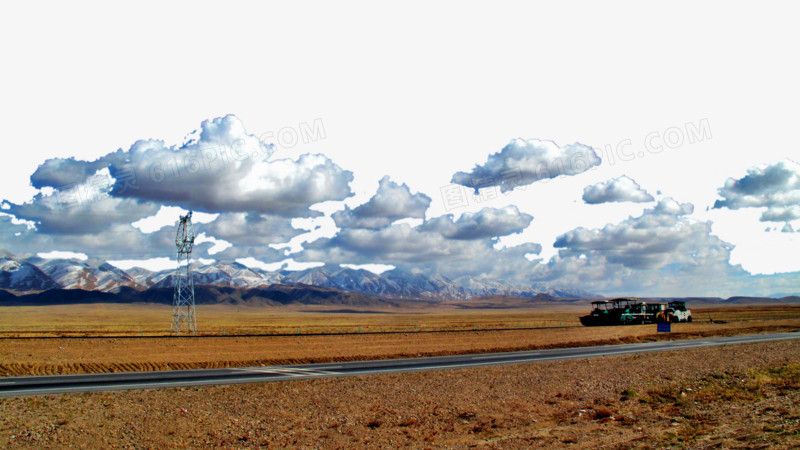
[
  {"x": 117, "y": 320},
  {"x": 216, "y": 320},
  {"x": 402, "y": 334},
  {"x": 736, "y": 396}
]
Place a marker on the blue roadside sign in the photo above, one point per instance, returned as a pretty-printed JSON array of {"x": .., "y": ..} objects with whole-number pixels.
[{"x": 664, "y": 327}]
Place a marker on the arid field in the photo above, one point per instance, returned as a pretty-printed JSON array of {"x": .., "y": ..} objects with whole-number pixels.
[
  {"x": 361, "y": 335},
  {"x": 721, "y": 397},
  {"x": 735, "y": 396},
  {"x": 90, "y": 320}
]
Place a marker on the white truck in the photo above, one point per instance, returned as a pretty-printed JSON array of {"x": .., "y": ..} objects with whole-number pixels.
[{"x": 677, "y": 312}]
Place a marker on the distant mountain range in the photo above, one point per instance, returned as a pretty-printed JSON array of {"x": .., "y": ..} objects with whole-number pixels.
[
  {"x": 273, "y": 295},
  {"x": 36, "y": 274},
  {"x": 37, "y": 280}
]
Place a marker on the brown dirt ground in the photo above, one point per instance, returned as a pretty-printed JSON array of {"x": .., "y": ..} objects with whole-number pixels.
[
  {"x": 93, "y": 355},
  {"x": 736, "y": 396}
]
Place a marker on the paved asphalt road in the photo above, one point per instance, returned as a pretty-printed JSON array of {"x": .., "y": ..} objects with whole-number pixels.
[{"x": 17, "y": 386}]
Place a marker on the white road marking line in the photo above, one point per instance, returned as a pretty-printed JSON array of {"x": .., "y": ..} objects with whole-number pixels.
[
  {"x": 281, "y": 367},
  {"x": 504, "y": 356},
  {"x": 285, "y": 371},
  {"x": 307, "y": 368},
  {"x": 300, "y": 371},
  {"x": 272, "y": 372}
]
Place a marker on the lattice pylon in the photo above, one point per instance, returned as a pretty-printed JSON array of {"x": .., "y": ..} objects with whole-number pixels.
[{"x": 183, "y": 317}]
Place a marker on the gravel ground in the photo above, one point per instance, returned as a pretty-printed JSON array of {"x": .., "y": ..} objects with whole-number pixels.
[{"x": 725, "y": 397}]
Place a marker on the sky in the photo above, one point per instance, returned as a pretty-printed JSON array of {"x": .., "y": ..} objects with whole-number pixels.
[{"x": 622, "y": 148}]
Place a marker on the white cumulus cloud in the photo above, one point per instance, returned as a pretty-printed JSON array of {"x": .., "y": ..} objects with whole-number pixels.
[
  {"x": 525, "y": 161},
  {"x": 774, "y": 186},
  {"x": 391, "y": 202},
  {"x": 486, "y": 223},
  {"x": 224, "y": 169},
  {"x": 660, "y": 236},
  {"x": 620, "y": 189}
]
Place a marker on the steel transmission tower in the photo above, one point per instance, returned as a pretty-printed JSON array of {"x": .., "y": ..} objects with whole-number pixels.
[{"x": 183, "y": 319}]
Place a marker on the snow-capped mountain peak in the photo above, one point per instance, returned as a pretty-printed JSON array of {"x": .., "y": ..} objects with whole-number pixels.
[
  {"x": 22, "y": 276},
  {"x": 36, "y": 273},
  {"x": 88, "y": 275}
]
